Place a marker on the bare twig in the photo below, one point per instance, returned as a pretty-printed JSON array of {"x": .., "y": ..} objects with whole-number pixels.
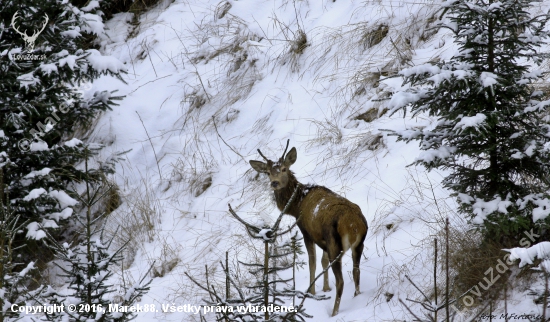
[
  {"x": 216, "y": 127},
  {"x": 152, "y": 146}
]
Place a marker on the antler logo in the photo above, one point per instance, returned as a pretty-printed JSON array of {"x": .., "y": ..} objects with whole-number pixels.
[{"x": 29, "y": 40}]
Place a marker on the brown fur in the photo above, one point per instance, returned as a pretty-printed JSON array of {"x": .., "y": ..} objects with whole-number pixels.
[{"x": 325, "y": 219}]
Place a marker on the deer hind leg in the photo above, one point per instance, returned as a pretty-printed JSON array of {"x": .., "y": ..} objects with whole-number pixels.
[
  {"x": 333, "y": 252},
  {"x": 325, "y": 262},
  {"x": 310, "y": 248},
  {"x": 356, "y": 253}
]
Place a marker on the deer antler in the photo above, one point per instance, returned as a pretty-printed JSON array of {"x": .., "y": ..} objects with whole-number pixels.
[
  {"x": 287, "y": 141},
  {"x": 260, "y": 152}
]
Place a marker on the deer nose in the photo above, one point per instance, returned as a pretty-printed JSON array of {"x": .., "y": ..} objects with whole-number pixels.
[{"x": 274, "y": 184}]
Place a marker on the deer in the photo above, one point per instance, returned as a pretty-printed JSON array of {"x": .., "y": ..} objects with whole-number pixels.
[
  {"x": 29, "y": 40},
  {"x": 324, "y": 218}
]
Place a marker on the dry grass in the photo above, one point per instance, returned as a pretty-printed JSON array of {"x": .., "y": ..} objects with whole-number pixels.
[
  {"x": 135, "y": 223},
  {"x": 294, "y": 39},
  {"x": 193, "y": 170},
  {"x": 360, "y": 54},
  {"x": 374, "y": 35},
  {"x": 222, "y": 9},
  {"x": 168, "y": 258},
  {"x": 343, "y": 155},
  {"x": 472, "y": 264},
  {"x": 469, "y": 261},
  {"x": 227, "y": 43},
  {"x": 371, "y": 114}
]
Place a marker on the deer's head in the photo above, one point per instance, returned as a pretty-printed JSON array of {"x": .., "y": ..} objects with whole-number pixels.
[{"x": 278, "y": 172}]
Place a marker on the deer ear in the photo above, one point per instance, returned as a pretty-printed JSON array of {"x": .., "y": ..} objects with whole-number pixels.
[
  {"x": 258, "y": 166},
  {"x": 291, "y": 157}
]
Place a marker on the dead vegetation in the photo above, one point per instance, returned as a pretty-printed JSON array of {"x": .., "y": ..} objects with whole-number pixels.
[
  {"x": 374, "y": 35},
  {"x": 371, "y": 114},
  {"x": 363, "y": 53},
  {"x": 479, "y": 277},
  {"x": 227, "y": 43},
  {"x": 193, "y": 173},
  {"x": 135, "y": 223}
]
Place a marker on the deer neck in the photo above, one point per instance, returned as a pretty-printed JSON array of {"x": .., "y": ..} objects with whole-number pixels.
[{"x": 282, "y": 196}]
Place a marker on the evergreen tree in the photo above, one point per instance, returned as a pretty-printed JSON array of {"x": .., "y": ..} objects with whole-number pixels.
[
  {"x": 43, "y": 99},
  {"x": 88, "y": 267},
  {"x": 492, "y": 130},
  {"x": 13, "y": 284}
]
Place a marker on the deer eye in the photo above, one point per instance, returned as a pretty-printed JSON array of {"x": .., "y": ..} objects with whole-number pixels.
[{"x": 283, "y": 169}]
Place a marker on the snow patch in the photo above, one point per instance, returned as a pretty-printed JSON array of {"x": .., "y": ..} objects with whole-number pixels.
[
  {"x": 471, "y": 121},
  {"x": 35, "y": 193},
  {"x": 63, "y": 198},
  {"x": 36, "y": 173},
  {"x": 442, "y": 152},
  {"x": 104, "y": 63},
  {"x": 488, "y": 79},
  {"x": 482, "y": 208},
  {"x": 34, "y": 231},
  {"x": 39, "y": 146},
  {"x": 527, "y": 256},
  {"x": 73, "y": 142}
]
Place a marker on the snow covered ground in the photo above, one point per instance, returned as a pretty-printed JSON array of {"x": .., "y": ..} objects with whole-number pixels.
[{"x": 210, "y": 82}]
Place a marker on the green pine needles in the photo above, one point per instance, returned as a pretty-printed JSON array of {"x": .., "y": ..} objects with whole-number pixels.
[
  {"x": 492, "y": 132},
  {"x": 43, "y": 101}
]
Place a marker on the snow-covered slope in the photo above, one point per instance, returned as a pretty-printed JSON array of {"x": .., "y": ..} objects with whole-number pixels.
[{"x": 210, "y": 82}]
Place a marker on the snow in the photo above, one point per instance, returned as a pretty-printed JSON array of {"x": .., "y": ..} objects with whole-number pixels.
[
  {"x": 402, "y": 99},
  {"x": 34, "y": 231},
  {"x": 163, "y": 67},
  {"x": 488, "y": 79},
  {"x": 41, "y": 172},
  {"x": 420, "y": 69},
  {"x": 69, "y": 60},
  {"x": 73, "y": 142},
  {"x": 442, "y": 152},
  {"x": 35, "y": 193},
  {"x": 528, "y": 255},
  {"x": 94, "y": 23},
  {"x": 27, "y": 80},
  {"x": 475, "y": 121},
  {"x": 540, "y": 204},
  {"x": 103, "y": 63},
  {"x": 48, "y": 68},
  {"x": 63, "y": 198},
  {"x": 73, "y": 33},
  {"x": 25, "y": 270},
  {"x": 39, "y": 146},
  {"x": 316, "y": 210},
  {"x": 259, "y": 95},
  {"x": 264, "y": 234},
  {"x": 482, "y": 208},
  {"x": 64, "y": 214},
  {"x": 91, "y": 6}
]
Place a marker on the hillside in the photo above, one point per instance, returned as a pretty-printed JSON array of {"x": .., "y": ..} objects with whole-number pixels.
[{"x": 208, "y": 83}]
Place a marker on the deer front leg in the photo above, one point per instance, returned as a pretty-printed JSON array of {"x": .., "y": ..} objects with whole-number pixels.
[
  {"x": 310, "y": 248},
  {"x": 325, "y": 262}
]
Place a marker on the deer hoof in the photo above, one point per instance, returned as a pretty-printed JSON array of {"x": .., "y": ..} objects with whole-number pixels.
[
  {"x": 327, "y": 289},
  {"x": 356, "y": 293}
]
